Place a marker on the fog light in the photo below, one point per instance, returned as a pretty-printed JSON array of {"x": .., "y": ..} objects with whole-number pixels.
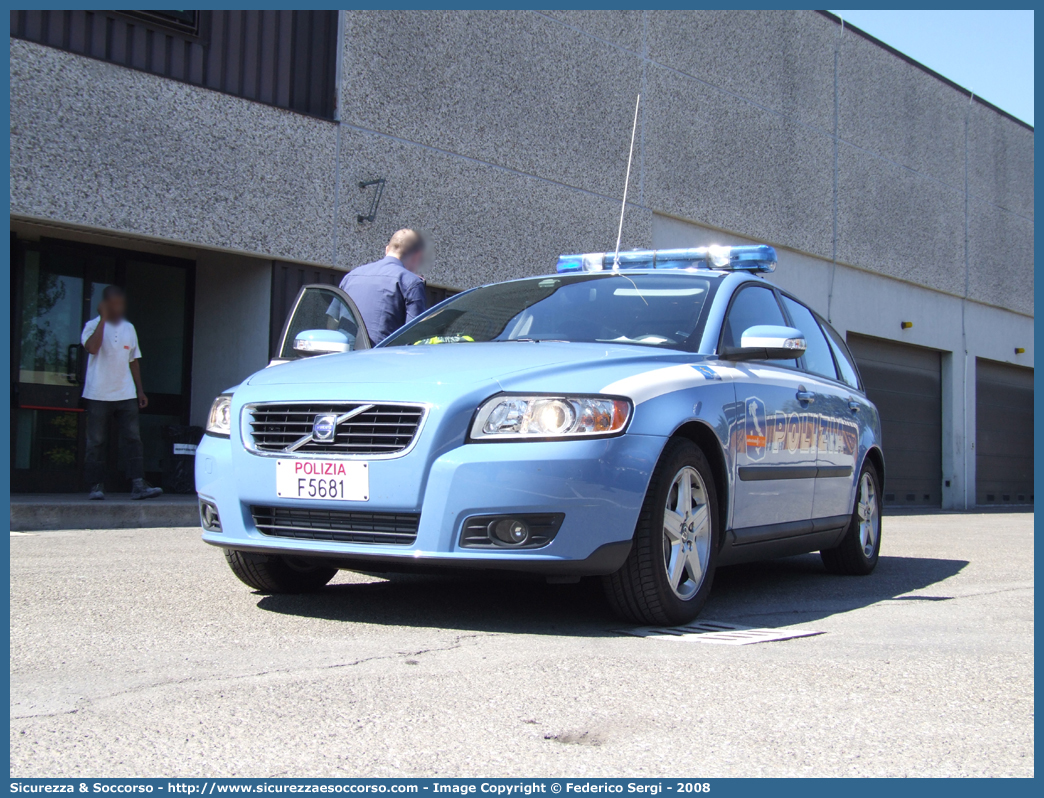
[
  {"x": 499, "y": 532},
  {"x": 208, "y": 516},
  {"x": 512, "y": 531}
]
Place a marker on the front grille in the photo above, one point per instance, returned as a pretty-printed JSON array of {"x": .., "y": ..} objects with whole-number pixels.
[
  {"x": 337, "y": 525},
  {"x": 382, "y": 429}
]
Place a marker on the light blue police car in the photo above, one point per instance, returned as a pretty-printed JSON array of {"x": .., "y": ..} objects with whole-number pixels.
[{"x": 644, "y": 420}]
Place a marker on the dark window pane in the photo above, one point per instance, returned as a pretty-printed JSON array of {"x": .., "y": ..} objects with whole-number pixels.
[
  {"x": 52, "y": 307},
  {"x": 843, "y": 357},
  {"x": 45, "y": 440},
  {"x": 751, "y": 307},
  {"x": 156, "y": 307},
  {"x": 818, "y": 359}
]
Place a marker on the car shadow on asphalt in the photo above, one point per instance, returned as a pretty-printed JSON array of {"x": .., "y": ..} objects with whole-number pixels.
[
  {"x": 799, "y": 590},
  {"x": 773, "y": 593}
]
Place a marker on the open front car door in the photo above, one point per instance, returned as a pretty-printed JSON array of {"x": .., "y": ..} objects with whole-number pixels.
[{"x": 324, "y": 320}]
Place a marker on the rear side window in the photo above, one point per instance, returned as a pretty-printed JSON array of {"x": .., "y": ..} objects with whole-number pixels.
[
  {"x": 751, "y": 307},
  {"x": 818, "y": 359},
  {"x": 843, "y": 357}
]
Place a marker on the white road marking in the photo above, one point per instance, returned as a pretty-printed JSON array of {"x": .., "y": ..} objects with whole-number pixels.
[{"x": 717, "y": 633}]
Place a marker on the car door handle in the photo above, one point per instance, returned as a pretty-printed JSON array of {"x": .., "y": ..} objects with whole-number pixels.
[
  {"x": 805, "y": 396},
  {"x": 853, "y": 405}
]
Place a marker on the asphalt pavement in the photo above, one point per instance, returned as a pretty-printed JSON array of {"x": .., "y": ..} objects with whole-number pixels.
[{"x": 136, "y": 652}]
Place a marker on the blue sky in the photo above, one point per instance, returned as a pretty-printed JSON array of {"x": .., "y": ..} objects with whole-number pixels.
[{"x": 987, "y": 52}]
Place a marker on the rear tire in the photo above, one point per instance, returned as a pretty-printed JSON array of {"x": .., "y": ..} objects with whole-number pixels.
[
  {"x": 269, "y": 573},
  {"x": 859, "y": 549},
  {"x": 667, "y": 577}
]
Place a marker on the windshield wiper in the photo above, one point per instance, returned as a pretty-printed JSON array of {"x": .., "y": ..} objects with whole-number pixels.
[{"x": 539, "y": 340}]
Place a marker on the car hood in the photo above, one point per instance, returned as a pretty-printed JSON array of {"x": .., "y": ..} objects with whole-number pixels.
[{"x": 544, "y": 366}]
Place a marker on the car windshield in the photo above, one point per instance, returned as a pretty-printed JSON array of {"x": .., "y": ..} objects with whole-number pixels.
[{"x": 663, "y": 310}]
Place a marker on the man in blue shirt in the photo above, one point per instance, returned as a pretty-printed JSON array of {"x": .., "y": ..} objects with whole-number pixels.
[{"x": 390, "y": 291}]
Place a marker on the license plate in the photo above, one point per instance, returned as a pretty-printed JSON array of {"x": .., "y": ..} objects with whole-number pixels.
[{"x": 323, "y": 480}]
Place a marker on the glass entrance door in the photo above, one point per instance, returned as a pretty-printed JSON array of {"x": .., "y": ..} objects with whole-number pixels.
[
  {"x": 57, "y": 287},
  {"x": 53, "y": 291},
  {"x": 158, "y": 304}
]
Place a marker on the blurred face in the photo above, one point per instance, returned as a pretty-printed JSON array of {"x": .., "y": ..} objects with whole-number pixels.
[
  {"x": 427, "y": 262},
  {"x": 414, "y": 262},
  {"x": 117, "y": 306}
]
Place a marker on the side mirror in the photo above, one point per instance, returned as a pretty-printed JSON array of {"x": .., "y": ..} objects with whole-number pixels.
[
  {"x": 322, "y": 342},
  {"x": 767, "y": 342}
]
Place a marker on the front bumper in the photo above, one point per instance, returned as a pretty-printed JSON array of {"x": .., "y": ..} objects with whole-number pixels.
[{"x": 599, "y": 485}]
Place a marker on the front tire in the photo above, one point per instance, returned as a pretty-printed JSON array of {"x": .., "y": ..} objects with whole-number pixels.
[
  {"x": 668, "y": 574},
  {"x": 269, "y": 573},
  {"x": 859, "y": 549}
]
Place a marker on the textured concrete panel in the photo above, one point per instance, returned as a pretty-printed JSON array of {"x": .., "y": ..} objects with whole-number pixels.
[
  {"x": 101, "y": 145},
  {"x": 621, "y": 27},
  {"x": 871, "y": 304},
  {"x": 896, "y": 222},
  {"x": 1000, "y": 251},
  {"x": 996, "y": 334},
  {"x": 890, "y": 107},
  {"x": 783, "y": 60},
  {"x": 724, "y": 162},
  {"x": 671, "y": 233},
  {"x": 511, "y": 88},
  {"x": 485, "y": 223},
  {"x": 1000, "y": 161}
]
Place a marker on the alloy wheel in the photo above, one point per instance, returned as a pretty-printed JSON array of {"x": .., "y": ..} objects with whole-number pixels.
[
  {"x": 869, "y": 519},
  {"x": 686, "y": 533}
]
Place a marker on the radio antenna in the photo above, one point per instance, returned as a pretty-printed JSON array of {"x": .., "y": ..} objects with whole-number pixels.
[{"x": 627, "y": 180}]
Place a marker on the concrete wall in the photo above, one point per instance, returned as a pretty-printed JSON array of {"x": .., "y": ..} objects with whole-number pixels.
[
  {"x": 504, "y": 135},
  {"x": 107, "y": 147},
  {"x": 230, "y": 334}
]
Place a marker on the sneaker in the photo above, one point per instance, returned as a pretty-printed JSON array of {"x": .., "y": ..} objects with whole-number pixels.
[
  {"x": 97, "y": 492},
  {"x": 143, "y": 490}
]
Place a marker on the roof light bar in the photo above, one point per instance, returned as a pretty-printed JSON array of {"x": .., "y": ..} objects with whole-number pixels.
[{"x": 753, "y": 258}]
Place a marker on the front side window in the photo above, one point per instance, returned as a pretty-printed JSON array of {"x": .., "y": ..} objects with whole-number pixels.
[
  {"x": 751, "y": 307},
  {"x": 659, "y": 310},
  {"x": 818, "y": 359}
]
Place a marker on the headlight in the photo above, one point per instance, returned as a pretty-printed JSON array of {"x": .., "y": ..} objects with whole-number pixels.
[
  {"x": 504, "y": 418},
  {"x": 219, "y": 420}
]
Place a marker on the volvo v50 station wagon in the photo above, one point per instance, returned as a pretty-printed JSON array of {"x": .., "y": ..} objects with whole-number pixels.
[{"x": 644, "y": 420}]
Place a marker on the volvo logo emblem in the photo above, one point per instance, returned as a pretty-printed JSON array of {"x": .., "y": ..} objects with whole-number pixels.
[{"x": 324, "y": 428}]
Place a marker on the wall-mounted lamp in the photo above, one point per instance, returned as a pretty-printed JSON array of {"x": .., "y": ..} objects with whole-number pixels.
[
  {"x": 906, "y": 325},
  {"x": 1019, "y": 350},
  {"x": 379, "y": 183}
]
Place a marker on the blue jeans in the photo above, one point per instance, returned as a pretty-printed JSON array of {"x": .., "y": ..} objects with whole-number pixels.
[{"x": 125, "y": 413}]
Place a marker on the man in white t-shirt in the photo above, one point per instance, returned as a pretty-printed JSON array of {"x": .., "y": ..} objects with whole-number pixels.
[{"x": 113, "y": 391}]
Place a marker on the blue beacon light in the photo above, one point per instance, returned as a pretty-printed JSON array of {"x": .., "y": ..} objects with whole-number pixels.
[{"x": 759, "y": 258}]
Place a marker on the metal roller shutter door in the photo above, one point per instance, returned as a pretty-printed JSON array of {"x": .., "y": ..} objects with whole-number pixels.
[
  {"x": 1003, "y": 433},
  {"x": 905, "y": 382}
]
